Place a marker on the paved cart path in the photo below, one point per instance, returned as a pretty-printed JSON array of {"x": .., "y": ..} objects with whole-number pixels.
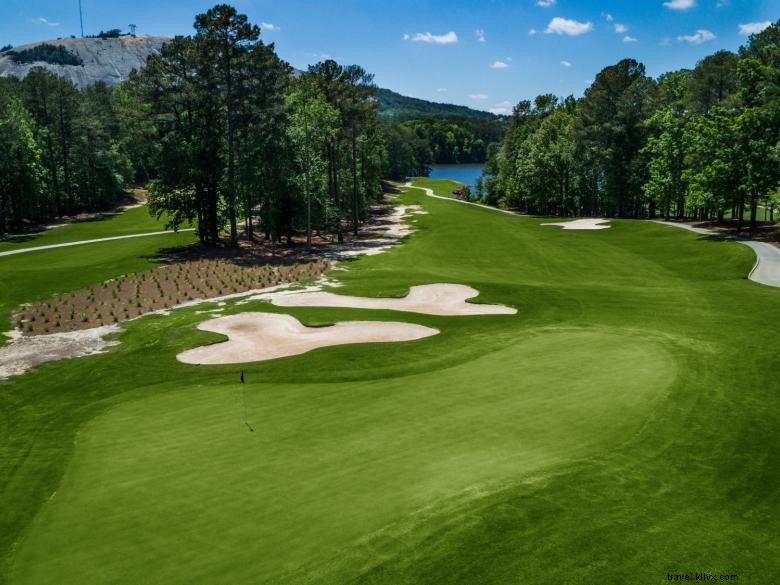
[{"x": 81, "y": 242}]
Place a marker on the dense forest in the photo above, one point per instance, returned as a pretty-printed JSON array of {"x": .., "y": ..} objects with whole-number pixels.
[
  {"x": 701, "y": 143},
  {"x": 217, "y": 127},
  {"x": 226, "y": 137},
  {"x": 421, "y": 133}
]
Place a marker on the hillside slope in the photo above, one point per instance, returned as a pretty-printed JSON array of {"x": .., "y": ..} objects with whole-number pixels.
[
  {"x": 108, "y": 60},
  {"x": 111, "y": 60},
  {"x": 397, "y": 107}
]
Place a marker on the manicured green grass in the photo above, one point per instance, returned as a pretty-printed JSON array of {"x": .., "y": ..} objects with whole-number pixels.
[
  {"x": 132, "y": 221},
  {"x": 621, "y": 426}
]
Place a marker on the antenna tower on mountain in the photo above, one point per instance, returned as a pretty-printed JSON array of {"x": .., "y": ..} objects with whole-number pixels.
[{"x": 81, "y": 19}]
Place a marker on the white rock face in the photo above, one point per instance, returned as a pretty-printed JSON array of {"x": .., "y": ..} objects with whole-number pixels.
[{"x": 107, "y": 60}]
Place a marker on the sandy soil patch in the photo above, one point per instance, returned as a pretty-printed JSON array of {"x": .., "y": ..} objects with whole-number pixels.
[
  {"x": 255, "y": 337},
  {"x": 586, "y": 223},
  {"x": 430, "y": 299},
  {"x": 23, "y": 353}
]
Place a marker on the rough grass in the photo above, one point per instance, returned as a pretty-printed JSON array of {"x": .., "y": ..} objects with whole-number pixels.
[
  {"x": 623, "y": 425},
  {"x": 131, "y": 221}
]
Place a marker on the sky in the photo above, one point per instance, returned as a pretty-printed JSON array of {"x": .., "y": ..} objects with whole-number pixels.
[{"x": 486, "y": 54}]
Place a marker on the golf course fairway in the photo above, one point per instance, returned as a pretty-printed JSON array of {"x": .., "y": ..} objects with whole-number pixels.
[{"x": 621, "y": 426}]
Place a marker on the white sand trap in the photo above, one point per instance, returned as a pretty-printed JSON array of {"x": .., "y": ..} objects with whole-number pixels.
[
  {"x": 587, "y": 223},
  {"x": 256, "y": 337},
  {"x": 24, "y": 353},
  {"x": 430, "y": 299}
]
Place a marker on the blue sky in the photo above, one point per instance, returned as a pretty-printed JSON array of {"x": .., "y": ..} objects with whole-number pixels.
[{"x": 486, "y": 54}]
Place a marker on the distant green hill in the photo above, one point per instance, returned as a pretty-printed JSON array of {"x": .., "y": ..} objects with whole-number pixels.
[{"x": 397, "y": 107}]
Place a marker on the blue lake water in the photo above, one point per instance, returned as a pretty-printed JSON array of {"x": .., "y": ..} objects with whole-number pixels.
[{"x": 465, "y": 173}]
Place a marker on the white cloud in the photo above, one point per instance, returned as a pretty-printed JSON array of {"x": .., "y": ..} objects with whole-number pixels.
[
  {"x": 426, "y": 37},
  {"x": 588, "y": 82},
  {"x": 546, "y": 3},
  {"x": 501, "y": 109},
  {"x": 532, "y": 32},
  {"x": 620, "y": 28},
  {"x": 405, "y": 37},
  {"x": 753, "y": 28},
  {"x": 564, "y": 26},
  {"x": 699, "y": 37},
  {"x": 441, "y": 89},
  {"x": 42, "y": 20},
  {"x": 566, "y": 64},
  {"x": 480, "y": 34},
  {"x": 478, "y": 96},
  {"x": 680, "y": 4},
  {"x": 629, "y": 39},
  {"x": 608, "y": 16},
  {"x": 269, "y": 26},
  {"x": 499, "y": 65}
]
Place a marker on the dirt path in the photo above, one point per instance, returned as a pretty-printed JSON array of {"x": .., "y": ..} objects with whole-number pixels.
[
  {"x": 95, "y": 241},
  {"x": 767, "y": 267}
]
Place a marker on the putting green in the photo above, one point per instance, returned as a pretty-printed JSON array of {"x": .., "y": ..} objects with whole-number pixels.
[
  {"x": 318, "y": 451},
  {"x": 621, "y": 426}
]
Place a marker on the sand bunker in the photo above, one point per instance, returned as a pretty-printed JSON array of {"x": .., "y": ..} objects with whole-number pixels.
[
  {"x": 430, "y": 299},
  {"x": 23, "y": 353},
  {"x": 588, "y": 223},
  {"x": 256, "y": 337}
]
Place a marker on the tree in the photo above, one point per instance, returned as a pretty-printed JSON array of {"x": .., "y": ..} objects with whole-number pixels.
[
  {"x": 612, "y": 132},
  {"x": 312, "y": 122},
  {"x": 20, "y": 164},
  {"x": 223, "y": 38}
]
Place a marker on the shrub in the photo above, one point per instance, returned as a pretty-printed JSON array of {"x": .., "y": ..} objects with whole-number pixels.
[{"x": 54, "y": 55}]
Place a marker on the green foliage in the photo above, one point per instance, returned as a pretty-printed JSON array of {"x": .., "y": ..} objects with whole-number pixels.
[
  {"x": 700, "y": 143},
  {"x": 397, "y": 108},
  {"x": 52, "y": 54}
]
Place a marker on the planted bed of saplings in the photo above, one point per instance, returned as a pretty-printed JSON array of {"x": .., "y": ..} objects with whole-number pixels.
[{"x": 133, "y": 295}]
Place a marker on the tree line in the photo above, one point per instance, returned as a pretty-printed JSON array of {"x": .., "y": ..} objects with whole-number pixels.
[
  {"x": 413, "y": 145},
  {"x": 701, "y": 143},
  {"x": 224, "y": 133}
]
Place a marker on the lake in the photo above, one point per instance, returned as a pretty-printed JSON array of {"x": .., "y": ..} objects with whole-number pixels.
[{"x": 465, "y": 173}]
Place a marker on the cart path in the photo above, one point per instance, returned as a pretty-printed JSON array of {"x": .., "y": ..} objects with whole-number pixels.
[
  {"x": 767, "y": 267},
  {"x": 95, "y": 241}
]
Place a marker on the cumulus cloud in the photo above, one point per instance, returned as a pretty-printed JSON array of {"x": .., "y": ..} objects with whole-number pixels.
[
  {"x": 478, "y": 96},
  {"x": 546, "y": 3},
  {"x": 680, "y": 4},
  {"x": 480, "y": 34},
  {"x": 564, "y": 26},
  {"x": 42, "y": 20},
  {"x": 608, "y": 16},
  {"x": 753, "y": 28},
  {"x": 499, "y": 65},
  {"x": 620, "y": 28},
  {"x": 269, "y": 26},
  {"x": 501, "y": 109},
  {"x": 426, "y": 37},
  {"x": 566, "y": 64},
  {"x": 532, "y": 32},
  {"x": 697, "y": 38},
  {"x": 629, "y": 39}
]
